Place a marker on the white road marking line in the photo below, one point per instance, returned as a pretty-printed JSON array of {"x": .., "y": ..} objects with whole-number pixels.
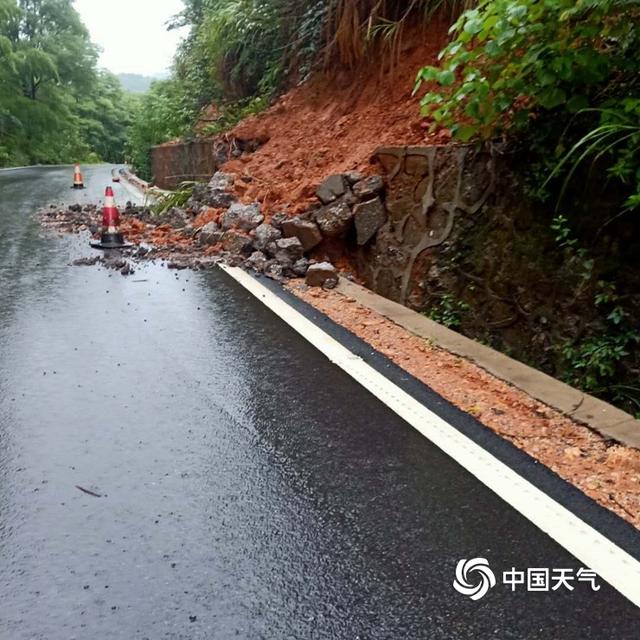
[{"x": 610, "y": 562}]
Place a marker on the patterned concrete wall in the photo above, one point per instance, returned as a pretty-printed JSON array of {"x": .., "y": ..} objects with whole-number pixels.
[{"x": 430, "y": 190}]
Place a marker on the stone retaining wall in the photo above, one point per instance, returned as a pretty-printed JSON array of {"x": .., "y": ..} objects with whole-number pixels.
[{"x": 430, "y": 191}]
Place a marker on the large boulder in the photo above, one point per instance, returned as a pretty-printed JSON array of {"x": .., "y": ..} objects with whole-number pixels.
[
  {"x": 210, "y": 234},
  {"x": 334, "y": 219},
  {"x": 369, "y": 217},
  {"x": 368, "y": 187},
  {"x": 242, "y": 216},
  {"x": 288, "y": 251},
  {"x": 331, "y": 189},
  {"x": 322, "y": 274},
  {"x": 265, "y": 234},
  {"x": 236, "y": 242},
  {"x": 306, "y": 231}
]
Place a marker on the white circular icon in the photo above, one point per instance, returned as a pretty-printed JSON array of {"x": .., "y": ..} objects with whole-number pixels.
[{"x": 474, "y": 578}]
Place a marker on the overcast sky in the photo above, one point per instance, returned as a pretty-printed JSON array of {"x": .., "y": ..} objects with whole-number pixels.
[{"x": 132, "y": 33}]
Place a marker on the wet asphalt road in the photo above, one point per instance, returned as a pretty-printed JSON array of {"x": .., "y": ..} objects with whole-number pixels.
[{"x": 249, "y": 488}]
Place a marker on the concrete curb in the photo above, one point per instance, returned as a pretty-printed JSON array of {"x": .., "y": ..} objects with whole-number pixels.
[{"x": 600, "y": 416}]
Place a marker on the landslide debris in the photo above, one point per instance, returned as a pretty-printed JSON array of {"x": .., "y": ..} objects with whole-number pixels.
[{"x": 198, "y": 235}]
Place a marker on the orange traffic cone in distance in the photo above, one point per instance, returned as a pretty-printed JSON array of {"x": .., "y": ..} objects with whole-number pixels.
[
  {"x": 78, "y": 182},
  {"x": 111, "y": 238}
]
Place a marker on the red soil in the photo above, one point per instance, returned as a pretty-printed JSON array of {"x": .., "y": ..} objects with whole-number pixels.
[{"x": 333, "y": 124}]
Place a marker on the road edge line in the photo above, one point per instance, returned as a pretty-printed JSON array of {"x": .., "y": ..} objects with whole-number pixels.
[{"x": 609, "y": 561}]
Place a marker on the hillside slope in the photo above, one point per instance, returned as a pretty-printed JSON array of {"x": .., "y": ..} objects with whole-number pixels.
[{"x": 333, "y": 123}]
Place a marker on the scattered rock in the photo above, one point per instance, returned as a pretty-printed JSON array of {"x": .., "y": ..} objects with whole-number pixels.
[
  {"x": 141, "y": 252},
  {"x": 278, "y": 219},
  {"x": 300, "y": 267},
  {"x": 331, "y": 189},
  {"x": 236, "y": 242},
  {"x": 86, "y": 262},
  {"x": 242, "y": 216},
  {"x": 127, "y": 270},
  {"x": 275, "y": 271},
  {"x": 322, "y": 274},
  {"x": 306, "y": 231},
  {"x": 218, "y": 199},
  {"x": 335, "y": 219},
  {"x": 114, "y": 262},
  {"x": 210, "y": 234},
  {"x": 288, "y": 251},
  {"x": 369, "y": 187},
  {"x": 176, "y": 217},
  {"x": 265, "y": 234},
  {"x": 353, "y": 177},
  {"x": 369, "y": 217},
  {"x": 257, "y": 261},
  {"x": 222, "y": 181}
]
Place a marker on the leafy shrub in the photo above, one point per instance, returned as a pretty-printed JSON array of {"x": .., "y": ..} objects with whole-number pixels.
[
  {"x": 449, "y": 311},
  {"x": 535, "y": 65}
]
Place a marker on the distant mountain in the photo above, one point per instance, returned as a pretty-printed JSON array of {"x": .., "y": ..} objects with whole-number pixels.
[{"x": 136, "y": 83}]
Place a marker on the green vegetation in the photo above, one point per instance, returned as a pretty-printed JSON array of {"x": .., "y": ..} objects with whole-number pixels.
[
  {"x": 560, "y": 80},
  {"x": 562, "y": 74},
  {"x": 176, "y": 198},
  {"x": 55, "y": 106},
  {"x": 449, "y": 311}
]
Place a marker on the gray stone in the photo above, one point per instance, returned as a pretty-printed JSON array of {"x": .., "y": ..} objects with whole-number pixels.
[
  {"x": 176, "y": 217},
  {"x": 369, "y": 187},
  {"x": 278, "y": 219},
  {"x": 306, "y": 231},
  {"x": 221, "y": 180},
  {"x": 334, "y": 220},
  {"x": 300, "y": 267},
  {"x": 257, "y": 261},
  {"x": 369, "y": 217},
  {"x": 236, "y": 242},
  {"x": 210, "y": 234},
  {"x": 331, "y": 189},
  {"x": 322, "y": 274},
  {"x": 353, "y": 177},
  {"x": 218, "y": 199},
  {"x": 265, "y": 234},
  {"x": 242, "y": 216},
  {"x": 288, "y": 251},
  {"x": 275, "y": 271}
]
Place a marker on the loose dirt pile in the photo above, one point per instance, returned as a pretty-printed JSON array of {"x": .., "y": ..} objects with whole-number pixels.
[{"x": 333, "y": 124}]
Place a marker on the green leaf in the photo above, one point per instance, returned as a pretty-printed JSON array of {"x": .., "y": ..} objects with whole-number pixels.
[
  {"x": 551, "y": 97},
  {"x": 465, "y": 132}
]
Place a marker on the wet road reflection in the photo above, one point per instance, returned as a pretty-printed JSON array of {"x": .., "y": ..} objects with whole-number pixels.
[{"x": 249, "y": 488}]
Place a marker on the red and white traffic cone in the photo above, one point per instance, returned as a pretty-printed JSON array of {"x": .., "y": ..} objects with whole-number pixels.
[
  {"x": 78, "y": 182},
  {"x": 111, "y": 236}
]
